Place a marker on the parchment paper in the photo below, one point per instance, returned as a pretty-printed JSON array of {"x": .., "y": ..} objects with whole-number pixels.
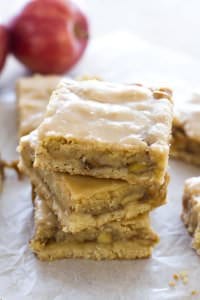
[{"x": 120, "y": 57}]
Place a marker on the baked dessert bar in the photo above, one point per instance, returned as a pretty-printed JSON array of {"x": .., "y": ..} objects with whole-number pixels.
[
  {"x": 191, "y": 210},
  {"x": 106, "y": 130},
  {"x": 186, "y": 128},
  {"x": 33, "y": 95},
  {"x": 115, "y": 241},
  {"x": 82, "y": 201}
]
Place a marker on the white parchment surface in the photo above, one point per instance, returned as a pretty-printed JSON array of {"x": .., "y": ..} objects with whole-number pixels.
[{"x": 120, "y": 57}]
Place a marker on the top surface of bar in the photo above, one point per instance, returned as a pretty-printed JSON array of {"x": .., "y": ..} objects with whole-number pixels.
[{"x": 106, "y": 112}]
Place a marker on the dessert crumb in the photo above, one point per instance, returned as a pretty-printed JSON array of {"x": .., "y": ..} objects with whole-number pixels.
[
  {"x": 194, "y": 293},
  {"x": 185, "y": 280},
  {"x": 172, "y": 283},
  {"x": 184, "y": 277},
  {"x": 176, "y": 276},
  {"x": 183, "y": 274}
]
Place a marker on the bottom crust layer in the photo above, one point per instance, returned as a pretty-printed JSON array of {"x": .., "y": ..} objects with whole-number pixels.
[{"x": 91, "y": 250}]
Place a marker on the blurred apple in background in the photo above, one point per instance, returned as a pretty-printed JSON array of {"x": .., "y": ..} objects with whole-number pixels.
[
  {"x": 49, "y": 36},
  {"x": 4, "y": 45}
]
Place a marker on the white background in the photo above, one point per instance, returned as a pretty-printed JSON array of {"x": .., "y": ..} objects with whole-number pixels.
[{"x": 174, "y": 24}]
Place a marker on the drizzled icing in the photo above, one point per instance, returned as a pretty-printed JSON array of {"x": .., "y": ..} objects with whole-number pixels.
[{"x": 107, "y": 112}]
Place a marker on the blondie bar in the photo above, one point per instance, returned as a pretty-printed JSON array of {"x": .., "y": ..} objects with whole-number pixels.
[
  {"x": 33, "y": 95},
  {"x": 126, "y": 240},
  {"x": 186, "y": 128},
  {"x": 82, "y": 201},
  {"x": 106, "y": 130},
  {"x": 191, "y": 210}
]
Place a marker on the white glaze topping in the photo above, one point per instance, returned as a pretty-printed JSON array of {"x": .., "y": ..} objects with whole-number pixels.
[
  {"x": 192, "y": 186},
  {"x": 107, "y": 112},
  {"x": 187, "y": 112},
  {"x": 33, "y": 96}
]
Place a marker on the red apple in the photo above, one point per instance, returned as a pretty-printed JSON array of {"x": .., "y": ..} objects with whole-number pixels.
[
  {"x": 4, "y": 45},
  {"x": 49, "y": 36}
]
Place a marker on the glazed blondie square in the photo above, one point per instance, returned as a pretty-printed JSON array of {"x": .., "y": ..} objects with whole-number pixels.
[
  {"x": 106, "y": 130},
  {"x": 126, "y": 240},
  {"x": 191, "y": 210},
  {"x": 83, "y": 201},
  {"x": 33, "y": 95},
  {"x": 186, "y": 127}
]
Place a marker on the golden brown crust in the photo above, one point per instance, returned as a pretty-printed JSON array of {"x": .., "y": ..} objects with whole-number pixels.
[{"x": 117, "y": 250}]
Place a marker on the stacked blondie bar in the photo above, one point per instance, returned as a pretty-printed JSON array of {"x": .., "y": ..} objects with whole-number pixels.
[
  {"x": 98, "y": 166},
  {"x": 186, "y": 127},
  {"x": 191, "y": 210}
]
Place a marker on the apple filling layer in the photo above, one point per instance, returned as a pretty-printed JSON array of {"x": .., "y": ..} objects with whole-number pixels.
[
  {"x": 78, "y": 159},
  {"x": 82, "y": 202},
  {"x": 130, "y": 239}
]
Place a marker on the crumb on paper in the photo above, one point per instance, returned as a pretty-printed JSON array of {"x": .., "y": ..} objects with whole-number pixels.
[
  {"x": 172, "y": 284},
  {"x": 194, "y": 293},
  {"x": 185, "y": 280},
  {"x": 176, "y": 276},
  {"x": 183, "y": 274},
  {"x": 184, "y": 277}
]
